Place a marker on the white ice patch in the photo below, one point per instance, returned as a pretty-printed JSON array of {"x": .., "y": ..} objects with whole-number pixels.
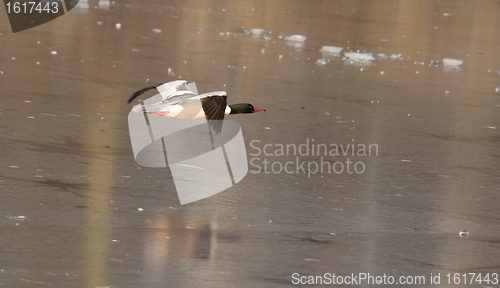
[
  {"x": 257, "y": 31},
  {"x": 331, "y": 49},
  {"x": 396, "y": 57},
  {"x": 296, "y": 38},
  {"x": 452, "y": 62},
  {"x": 382, "y": 56},
  {"x": 359, "y": 57},
  {"x": 321, "y": 62}
]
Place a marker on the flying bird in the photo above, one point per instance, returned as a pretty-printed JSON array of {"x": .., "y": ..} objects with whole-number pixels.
[{"x": 181, "y": 103}]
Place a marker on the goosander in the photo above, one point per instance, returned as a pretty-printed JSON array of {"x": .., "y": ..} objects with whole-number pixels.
[{"x": 181, "y": 103}]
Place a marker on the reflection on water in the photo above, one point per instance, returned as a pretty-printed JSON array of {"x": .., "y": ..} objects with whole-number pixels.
[{"x": 436, "y": 174}]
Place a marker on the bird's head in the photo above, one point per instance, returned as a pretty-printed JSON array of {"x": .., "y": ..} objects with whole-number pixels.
[{"x": 244, "y": 108}]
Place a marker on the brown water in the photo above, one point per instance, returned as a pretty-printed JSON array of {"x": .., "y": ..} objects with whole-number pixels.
[{"x": 66, "y": 162}]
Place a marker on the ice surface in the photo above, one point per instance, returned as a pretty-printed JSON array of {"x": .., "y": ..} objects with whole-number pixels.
[
  {"x": 358, "y": 56},
  {"x": 452, "y": 62},
  {"x": 331, "y": 49}
]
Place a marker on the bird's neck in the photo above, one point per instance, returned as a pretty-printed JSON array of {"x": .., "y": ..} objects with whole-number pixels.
[{"x": 236, "y": 109}]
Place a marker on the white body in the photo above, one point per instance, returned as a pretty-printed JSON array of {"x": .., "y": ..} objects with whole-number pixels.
[{"x": 180, "y": 101}]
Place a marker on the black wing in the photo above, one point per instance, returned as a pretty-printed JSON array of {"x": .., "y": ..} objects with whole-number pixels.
[
  {"x": 140, "y": 92},
  {"x": 215, "y": 109}
]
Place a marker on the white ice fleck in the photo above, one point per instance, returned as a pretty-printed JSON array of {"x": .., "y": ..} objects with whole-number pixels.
[
  {"x": 446, "y": 14},
  {"x": 53, "y": 52},
  {"x": 140, "y": 209},
  {"x": 170, "y": 71},
  {"x": 331, "y": 49},
  {"x": 359, "y": 57},
  {"x": 382, "y": 56},
  {"x": 118, "y": 26},
  {"x": 99, "y": 23},
  {"x": 280, "y": 57},
  {"x": 452, "y": 62},
  {"x": 396, "y": 57},
  {"x": 157, "y": 31},
  {"x": 256, "y": 31},
  {"x": 267, "y": 128},
  {"x": 382, "y": 72},
  {"x": 446, "y": 92},
  {"x": 463, "y": 233},
  {"x": 497, "y": 89},
  {"x": 296, "y": 37},
  {"x": 321, "y": 62}
]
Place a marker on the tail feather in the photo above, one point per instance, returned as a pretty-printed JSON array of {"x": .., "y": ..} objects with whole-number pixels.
[{"x": 140, "y": 92}]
